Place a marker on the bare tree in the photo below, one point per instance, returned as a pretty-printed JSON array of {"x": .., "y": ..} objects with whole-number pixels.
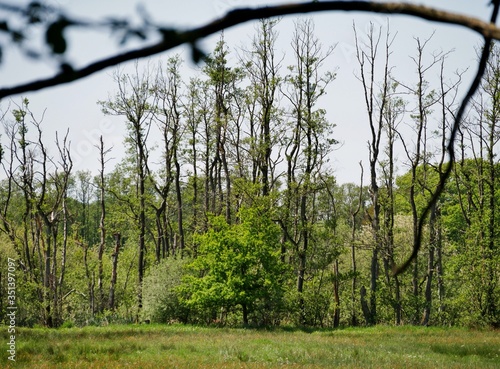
[
  {"x": 168, "y": 115},
  {"x": 66, "y": 165},
  {"x": 133, "y": 102},
  {"x": 354, "y": 211},
  {"x": 367, "y": 59},
  {"x": 309, "y": 142},
  {"x": 102, "y": 225},
  {"x": 263, "y": 67}
]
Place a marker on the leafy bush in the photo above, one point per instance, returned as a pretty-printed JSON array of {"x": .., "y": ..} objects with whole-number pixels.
[
  {"x": 238, "y": 266},
  {"x": 160, "y": 299}
]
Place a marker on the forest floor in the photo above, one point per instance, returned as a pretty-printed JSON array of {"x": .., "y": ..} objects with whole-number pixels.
[{"x": 178, "y": 346}]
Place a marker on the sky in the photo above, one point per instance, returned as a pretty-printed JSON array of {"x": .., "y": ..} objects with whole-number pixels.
[{"x": 74, "y": 105}]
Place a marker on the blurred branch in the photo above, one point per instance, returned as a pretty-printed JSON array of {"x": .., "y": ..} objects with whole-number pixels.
[
  {"x": 172, "y": 38},
  {"x": 450, "y": 149}
]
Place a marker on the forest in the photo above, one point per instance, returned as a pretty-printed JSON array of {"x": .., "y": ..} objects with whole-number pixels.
[{"x": 225, "y": 209}]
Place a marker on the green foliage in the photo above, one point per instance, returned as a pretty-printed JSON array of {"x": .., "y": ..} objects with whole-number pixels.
[{"x": 237, "y": 264}]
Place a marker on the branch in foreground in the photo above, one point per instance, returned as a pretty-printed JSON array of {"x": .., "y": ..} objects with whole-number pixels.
[
  {"x": 173, "y": 38},
  {"x": 443, "y": 178}
]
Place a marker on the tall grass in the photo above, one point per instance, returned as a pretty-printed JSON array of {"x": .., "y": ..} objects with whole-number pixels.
[{"x": 197, "y": 347}]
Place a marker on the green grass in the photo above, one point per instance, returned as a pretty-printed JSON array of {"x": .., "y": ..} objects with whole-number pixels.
[{"x": 180, "y": 346}]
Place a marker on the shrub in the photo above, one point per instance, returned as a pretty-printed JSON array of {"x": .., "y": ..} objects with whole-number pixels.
[{"x": 160, "y": 299}]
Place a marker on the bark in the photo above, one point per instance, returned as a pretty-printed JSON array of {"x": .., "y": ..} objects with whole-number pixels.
[
  {"x": 180, "y": 217},
  {"x": 142, "y": 223},
  {"x": 440, "y": 276},
  {"x": 245, "y": 314},
  {"x": 364, "y": 306}
]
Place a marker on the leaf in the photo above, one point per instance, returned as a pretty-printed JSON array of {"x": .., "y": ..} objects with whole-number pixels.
[{"x": 54, "y": 36}]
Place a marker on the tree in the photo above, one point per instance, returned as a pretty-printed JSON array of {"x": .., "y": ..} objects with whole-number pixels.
[
  {"x": 263, "y": 68},
  {"x": 367, "y": 59},
  {"x": 481, "y": 192},
  {"x": 393, "y": 113},
  {"x": 419, "y": 159},
  {"x": 168, "y": 116},
  {"x": 354, "y": 203},
  {"x": 133, "y": 102},
  {"x": 237, "y": 265},
  {"x": 309, "y": 142},
  {"x": 490, "y": 254},
  {"x": 44, "y": 183},
  {"x": 193, "y": 106},
  {"x": 221, "y": 80},
  {"x": 102, "y": 225}
]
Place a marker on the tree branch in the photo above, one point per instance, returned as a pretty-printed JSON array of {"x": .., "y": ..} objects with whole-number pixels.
[{"x": 173, "y": 38}]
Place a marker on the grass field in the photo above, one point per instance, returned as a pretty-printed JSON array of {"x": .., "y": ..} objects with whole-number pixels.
[{"x": 155, "y": 346}]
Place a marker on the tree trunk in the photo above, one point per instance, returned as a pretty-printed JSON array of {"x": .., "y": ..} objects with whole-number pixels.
[
  {"x": 142, "y": 231},
  {"x": 336, "y": 294},
  {"x": 102, "y": 229},
  {"x": 114, "y": 271},
  {"x": 364, "y": 306},
  {"x": 430, "y": 266}
]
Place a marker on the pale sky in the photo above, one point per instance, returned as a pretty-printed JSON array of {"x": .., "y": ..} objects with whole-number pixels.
[{"x": 75, "y": 105}]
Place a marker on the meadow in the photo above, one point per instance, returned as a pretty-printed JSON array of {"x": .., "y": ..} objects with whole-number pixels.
[{"x": 178, "y": 346}]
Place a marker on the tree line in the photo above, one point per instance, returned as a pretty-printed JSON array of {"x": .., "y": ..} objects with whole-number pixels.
[{"x": 225, "y": 210}]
